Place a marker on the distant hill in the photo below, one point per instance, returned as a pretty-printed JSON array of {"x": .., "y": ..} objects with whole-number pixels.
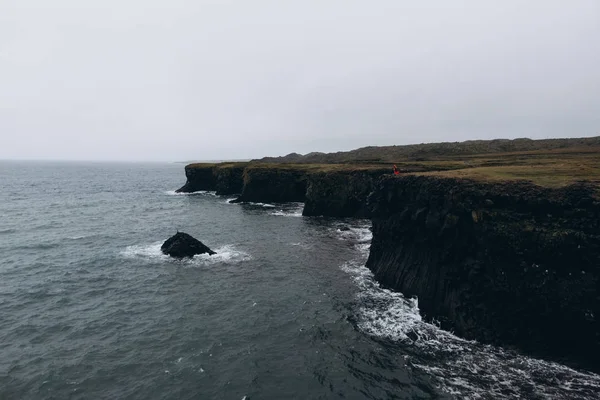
[{"x": 434, "y": 151}]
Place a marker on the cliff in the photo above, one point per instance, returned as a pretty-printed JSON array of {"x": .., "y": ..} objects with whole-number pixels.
[
  {"x": 507, "y": 263},
  {"x": 340, "y": 193},
  {"x": 198, "y": 177},
  {"x": 278, "y": 184},
  {"x": 229, "y": 178},
  {"x": 502, "y": 248},
  {"x": 224, "y": 178}
]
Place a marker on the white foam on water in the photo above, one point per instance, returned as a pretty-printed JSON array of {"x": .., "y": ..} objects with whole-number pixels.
[
  {"x": 199, "y": 192},
  {"x": 302, "y": 245},
  {"x": 283, "y": 213},
  {"x": 229, "y": 201},
  {"x": 361, "y": 235},
  {"x": 151, "y": 251},
  {"x": 227, "y": 254},
  {"x": 290, "y": 210},
  {"x": 265, "y": 205},
  {"x": 466, "y": 369},
  {"x": 79, "y": 237}
]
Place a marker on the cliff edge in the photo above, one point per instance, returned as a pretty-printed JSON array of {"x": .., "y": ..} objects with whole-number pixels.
[{"x": 507, "y": 263}]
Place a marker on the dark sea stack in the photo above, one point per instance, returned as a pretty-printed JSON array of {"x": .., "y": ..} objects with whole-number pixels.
[
  {"x": 505, "y": 263},
  {"x": 182, "y": 245},
  {"x": 340, "y": 193}
]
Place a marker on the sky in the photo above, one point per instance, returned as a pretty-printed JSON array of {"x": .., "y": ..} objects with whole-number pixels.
[{"x": 177, "y": 80}]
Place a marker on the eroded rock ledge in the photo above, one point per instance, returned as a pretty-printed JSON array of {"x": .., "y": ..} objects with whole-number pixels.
[{"x": 504, "y": 263}]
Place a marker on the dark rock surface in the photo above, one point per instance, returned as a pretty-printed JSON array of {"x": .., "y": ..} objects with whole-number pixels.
[
  {"x": 504, "y": 263},
  {"x": 273, "y": 185},
  {"x": 183, "y": 245},
  {"x": 229, "y": 179},
  {"x": 198, "y": 178},
  {"x": 340, "y": 193}
]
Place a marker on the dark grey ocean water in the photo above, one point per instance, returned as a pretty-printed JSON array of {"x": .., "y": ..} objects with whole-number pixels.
[{"x": 90, "y": 308}]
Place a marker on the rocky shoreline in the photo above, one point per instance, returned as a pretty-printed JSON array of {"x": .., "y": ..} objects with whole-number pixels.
[{"x": 506, "y": 263}]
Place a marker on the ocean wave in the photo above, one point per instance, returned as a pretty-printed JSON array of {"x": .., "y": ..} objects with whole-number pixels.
[
  {"x": 302, "y": 245},
  {"x": 225, "y": 254},
  {"x": 265, "y": 205},
  {"x": 463, "y": 368},
  {"x": 360, "y": 235},
  {"x": 289, "y": 210},
  {"x": 197, "y": 193},
  {"x": 282, "y": 213},
  {"x": 79, "y": 237},
  {"x": 7, "y": 231},
  {"x": 38, "y": 246}
]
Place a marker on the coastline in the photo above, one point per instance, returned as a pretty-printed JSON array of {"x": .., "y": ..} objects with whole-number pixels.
[{"x": 496, "y": 248}]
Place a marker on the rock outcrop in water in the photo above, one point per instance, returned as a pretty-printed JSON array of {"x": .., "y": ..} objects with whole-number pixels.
[
  {"x": 182, "y": 245},
  {"x": 505, "y": 263}
]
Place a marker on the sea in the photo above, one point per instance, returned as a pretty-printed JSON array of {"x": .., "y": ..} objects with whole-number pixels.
[{"x": 91, "y": 309}]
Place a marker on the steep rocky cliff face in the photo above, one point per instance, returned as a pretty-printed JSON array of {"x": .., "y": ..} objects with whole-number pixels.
[
  {"x": 340, "y": 193},
  {"x": 229, "y": 179},
  {"x": 199, "y": 177},
  {"x": 273, "y": 184},
  {"x": 504, "y": 263}
]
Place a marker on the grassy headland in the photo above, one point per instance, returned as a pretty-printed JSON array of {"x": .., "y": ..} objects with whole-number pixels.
[{"x": 549, "y": 163}]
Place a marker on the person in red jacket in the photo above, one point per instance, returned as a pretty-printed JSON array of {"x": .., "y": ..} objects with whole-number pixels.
[{"x": 396, "y": 172}]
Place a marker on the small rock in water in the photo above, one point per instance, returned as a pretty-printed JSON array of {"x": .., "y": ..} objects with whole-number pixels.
[{"x": 183, "y": 245}]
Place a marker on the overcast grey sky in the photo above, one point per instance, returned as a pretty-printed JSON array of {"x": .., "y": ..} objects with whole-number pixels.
[{"x": 198, "y": 79}]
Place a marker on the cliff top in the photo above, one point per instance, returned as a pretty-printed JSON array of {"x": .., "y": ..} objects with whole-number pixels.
[
  {"x": 564, "y": 162},
  {"x": 554, "y": 168}
]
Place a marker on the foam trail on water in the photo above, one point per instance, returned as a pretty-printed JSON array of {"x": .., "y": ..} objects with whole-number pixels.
[
  {"x": 227, "y": 254},
  {"x": 289, "y": 210},
  {"x": 197, "y": 193},
  {"x": 466, "y": 369},
  {"x": 265, "y": 205},
  {"x": 360, "y": 235},
  {"x": 144, "y": 251}
]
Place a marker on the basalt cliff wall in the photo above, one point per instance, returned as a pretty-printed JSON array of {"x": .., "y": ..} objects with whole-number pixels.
[
  {"x": 229, "y": 179},
  {"x": 222, "y": 178},
  {"x": 335, "y": 193},
  {"x": 340, "y": 193},
  {"x": 273, "y": 184},
  {"x": 198, "y": 177},
  {"x": 504, "y": 263}
]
